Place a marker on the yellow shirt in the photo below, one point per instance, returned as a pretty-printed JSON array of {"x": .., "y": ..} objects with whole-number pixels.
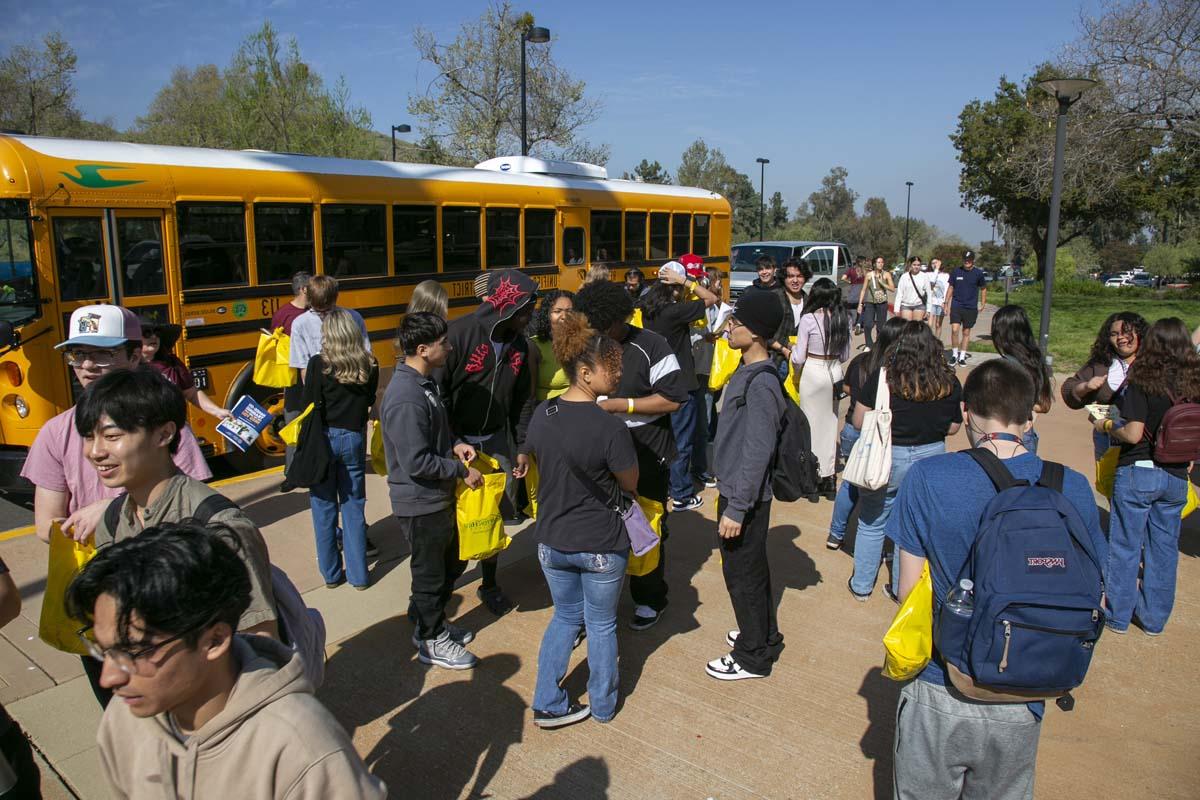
[{"x": 551, "y": 380}]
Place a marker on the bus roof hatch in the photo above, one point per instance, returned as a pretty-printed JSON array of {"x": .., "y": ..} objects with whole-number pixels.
[{"x": 542, "y": 166}]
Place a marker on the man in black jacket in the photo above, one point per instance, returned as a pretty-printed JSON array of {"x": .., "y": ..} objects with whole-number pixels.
[{"x": 486, "y": 384}]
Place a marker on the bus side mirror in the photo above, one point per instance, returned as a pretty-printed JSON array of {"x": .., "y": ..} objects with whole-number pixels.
[{"x": 8, "y": 335}]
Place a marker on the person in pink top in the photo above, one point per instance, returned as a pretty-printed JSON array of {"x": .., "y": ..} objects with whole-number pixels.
[{"x": 68, "y": 489}]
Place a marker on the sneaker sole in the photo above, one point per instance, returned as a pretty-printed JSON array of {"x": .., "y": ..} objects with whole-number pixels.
[
  {"x": 435, "y": 662},
  {"x": 560, "y": 722},
  {"x": 724, "y": 676},
  {"x": 833, "y": 545},
  {"x": 641, "y": 626}
]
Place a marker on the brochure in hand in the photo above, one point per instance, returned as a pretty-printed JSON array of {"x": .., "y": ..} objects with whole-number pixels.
[{"x": 248, "y": 421}]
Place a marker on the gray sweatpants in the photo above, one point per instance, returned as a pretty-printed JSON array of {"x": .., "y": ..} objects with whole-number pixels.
[{"x": 948, "y": 747}]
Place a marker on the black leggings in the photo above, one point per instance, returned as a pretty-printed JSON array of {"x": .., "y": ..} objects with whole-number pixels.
[{"x": 873, "y": 317}]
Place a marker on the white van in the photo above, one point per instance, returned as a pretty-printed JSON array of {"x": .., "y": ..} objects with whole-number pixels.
[{"x": 825, "y": 259}]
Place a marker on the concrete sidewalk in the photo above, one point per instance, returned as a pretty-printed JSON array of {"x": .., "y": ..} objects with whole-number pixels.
[{"x": 820, "y": 727}]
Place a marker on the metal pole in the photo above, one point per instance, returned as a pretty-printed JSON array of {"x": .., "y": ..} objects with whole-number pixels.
[
  {"x": 524, "y": 131},
  {"x": 762, "y": 207},
  {"x": 393, "y": 143},
  {"x": 1060, "y": 144},
  {"x": 907, "y": 210}
]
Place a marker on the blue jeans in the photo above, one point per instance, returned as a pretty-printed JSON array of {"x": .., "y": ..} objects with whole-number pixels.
[
  {"x": 683, "y": 423},
  {"x": 847, "y": 494},
  {"x": 874, "y": 510},
  {"x": 585, "y": 588},
  {"x": 1143, "y": 527},
  {"x": 344, "y": 490}
]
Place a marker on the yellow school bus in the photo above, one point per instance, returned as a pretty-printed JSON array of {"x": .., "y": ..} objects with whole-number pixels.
[{"x": 209, "y": 240}]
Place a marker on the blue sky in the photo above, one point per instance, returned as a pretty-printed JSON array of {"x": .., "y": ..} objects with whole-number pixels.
[{"x": 875, "y": 87}]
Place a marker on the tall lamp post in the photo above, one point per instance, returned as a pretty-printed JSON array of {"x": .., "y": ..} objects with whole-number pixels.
[
  {"x": 398, "y": 129},
  {"x": 907, "y": 210},
  {"x": 537, "y": 36},
  {"x": 1067, "y": 91},
  {"x": 762, "y": 207}
]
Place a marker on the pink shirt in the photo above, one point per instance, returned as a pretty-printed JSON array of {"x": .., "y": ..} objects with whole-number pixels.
[
  {"x": 56, "y": 462},
  {"x": 810, "y": 339}
]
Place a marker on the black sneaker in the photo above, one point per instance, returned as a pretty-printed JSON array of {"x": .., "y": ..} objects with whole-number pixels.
[
  {"x": 887, "y": 590},
  {"x": 519, "y": 519},
  {"x": 687, "y": 504},
  {"x": 731, "y": 638},
  {"x": 644, "y": 617},
  {"x": 707, "y": 479},
  {"x": 726, "y": 668},
  {"x": 832, "y": 542},
  {"x": 286, "y": 486},
  {"x": 579, "y": 637},
  {"x": 575, "y": 712},
  {"x": 495, "y": 600},
  {"x": 862, "y": 598}
]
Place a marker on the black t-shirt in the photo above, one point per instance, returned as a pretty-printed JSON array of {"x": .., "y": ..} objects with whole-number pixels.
[
  {"x": 673, "y": 323},
  {"x": 346, "y": 404},
  {"x": 856, "y": 373},
  {"x": 1135, "y": 405},
  {"x": 649, "y": 367},
  {"x": 915, "y": 423},
  {"x": 570, "y": 517}
]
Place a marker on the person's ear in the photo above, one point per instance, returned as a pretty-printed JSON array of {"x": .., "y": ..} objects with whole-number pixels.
[
  {"x": 217, "y": 641},
  {"x": 165, "y": 433}
]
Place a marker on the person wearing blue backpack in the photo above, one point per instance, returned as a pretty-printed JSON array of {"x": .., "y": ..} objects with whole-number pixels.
[{"x": 948, "y": 744}]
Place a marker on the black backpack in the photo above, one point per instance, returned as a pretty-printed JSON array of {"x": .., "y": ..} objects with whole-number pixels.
[{"x": 793, "y": 471}]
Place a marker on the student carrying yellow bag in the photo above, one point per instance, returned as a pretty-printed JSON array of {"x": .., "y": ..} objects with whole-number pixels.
[
  {"x": 725, "y": 362},
  {"x": 909, "y": 639},
  {"x": 271, "y": 360},
  {"x": 646, "y": 563},
  {"x": 1193, "y": 501},
  {"x": 532, "y": 478},
  {"x": 480, "y": 526},
  {"x": 290, "y": 433},
  {"x": 792, "y": 384},
  {"x": 1106, "y": 471},
  {"x": 67, "y": 558}
]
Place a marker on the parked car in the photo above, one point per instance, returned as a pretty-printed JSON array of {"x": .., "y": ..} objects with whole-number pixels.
[
  {"x": 1117, "y": 283},
  {"x": 825, "y": 259},
  {"x": 1143, "y": 281}
]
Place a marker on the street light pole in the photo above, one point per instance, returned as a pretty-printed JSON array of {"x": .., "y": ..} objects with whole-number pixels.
[
  {"x": 762, "y": 194},
  {"x": 537, "y": 36},
  {"x": 907, "y": 210},
  {"x": 398, "y": 129},
  {"x": 1067, "y": 91}
]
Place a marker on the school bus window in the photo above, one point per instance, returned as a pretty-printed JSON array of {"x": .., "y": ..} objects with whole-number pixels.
[
  {"x": 700, "y": 234},
  {"x": 354, "y": 239},
  {"x": 539, "y": 236},
  {"x": 283, "y": 240},
  {"x": 212, "y": 244},
  {"x": 681, "y": 234},
  {"x": 660, "y": 235},
  {"x": 18, "y": 278},
  {"x": 503, "y": 237},
  {"x": 79, "y": 248},
  {"x": 460, "y": 238},
  {"x": 635, "y": 236},
  {"x": 606, "y": 236},
  {"x": 139, "y": 250},
  {"x": 574, "y": 246},
  {"x": 414, "y": 237}
]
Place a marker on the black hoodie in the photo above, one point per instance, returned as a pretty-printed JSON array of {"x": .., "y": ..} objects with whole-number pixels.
[{"x": 484, "y": 393}]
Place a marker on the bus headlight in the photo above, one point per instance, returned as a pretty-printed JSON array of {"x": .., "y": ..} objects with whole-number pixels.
[{"x": 21, "y": 406}]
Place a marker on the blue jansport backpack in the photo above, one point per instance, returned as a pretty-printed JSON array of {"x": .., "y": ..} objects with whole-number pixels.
[{"x": 1039, "y": 588}]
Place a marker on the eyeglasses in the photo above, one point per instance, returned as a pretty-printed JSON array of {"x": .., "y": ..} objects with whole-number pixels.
[
  {"x": 127, "y": 660},
  {"x": 99, "y": 358}
]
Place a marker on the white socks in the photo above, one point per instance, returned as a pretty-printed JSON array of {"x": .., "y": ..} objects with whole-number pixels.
[{"x": 956, "y": 354}]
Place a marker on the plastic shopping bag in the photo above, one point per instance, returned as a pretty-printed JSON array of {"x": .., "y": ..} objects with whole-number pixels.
[
  {"x": 67, "y": 557},
  {"x": 647, "y": 562},
  {"x": 480, "y": 526},
  {"x": 290, "y": 433},
  {"x": 378, "y": 459},
  {"x": 271, "y": 360},
  {"x": 725, "y": 362},
  {"x": 792, "y": 384},
  {"x": 909, "y": 639},
  {"x": 1106, "y": 471},
  {"x": 1193, "y": 501},
  {"x": 636, "y": 319},
  {"x": 532, "y": 478}
]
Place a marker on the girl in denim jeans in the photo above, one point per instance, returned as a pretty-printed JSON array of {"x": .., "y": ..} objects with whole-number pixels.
[{"x": 583, "y": 453}]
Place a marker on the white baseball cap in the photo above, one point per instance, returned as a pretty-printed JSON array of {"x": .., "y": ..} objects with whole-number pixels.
[{"x": 102, "y": 326}]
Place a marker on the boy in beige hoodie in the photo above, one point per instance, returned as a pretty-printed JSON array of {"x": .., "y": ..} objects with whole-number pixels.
[{"x": 199, "y": 711}]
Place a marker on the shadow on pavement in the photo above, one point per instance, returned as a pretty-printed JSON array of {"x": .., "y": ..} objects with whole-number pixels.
[
  {"x": 276, "y": 507},
  {"x": 881, "y": 695},
  {"x": 791, "y": 566},
  {"x": 586, "y": 779}
]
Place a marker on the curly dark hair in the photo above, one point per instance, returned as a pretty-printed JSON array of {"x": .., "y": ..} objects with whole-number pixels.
[
  {"x": 539, "y": 324},
  {"x": 605, "y": 304},
  {"x": 577, "y": 344},
  {"x": 1167, "y": 363},
  {"x": 1012, "y": 336},
  {"x": 916, "y": 365},
  {"x": 1103, "y": 352}
]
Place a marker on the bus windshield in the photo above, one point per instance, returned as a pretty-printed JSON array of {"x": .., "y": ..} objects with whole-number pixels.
[{"x": 18, "y": 277}]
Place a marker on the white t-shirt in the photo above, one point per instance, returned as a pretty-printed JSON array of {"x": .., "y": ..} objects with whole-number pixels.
[
  {"x": 1117, "y": 371},
  {"x": 910, "y": 288},
  {"x": 939, "y": 282}
]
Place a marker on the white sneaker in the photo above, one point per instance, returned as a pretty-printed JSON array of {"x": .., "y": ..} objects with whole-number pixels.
[
  {"x": 731, "y": 637},
  {"x": 726, "y": 669},
  {"x": 445, "y": 652},
  {"x": 460, "y": 635}
]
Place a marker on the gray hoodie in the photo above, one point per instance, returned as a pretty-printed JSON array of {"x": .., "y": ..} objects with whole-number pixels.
[
  {"x": 751, "y": 421},
  {"x": 418, "y": 445}
]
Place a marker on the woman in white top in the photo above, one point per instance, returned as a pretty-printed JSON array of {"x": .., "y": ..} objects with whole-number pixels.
[
  {"x": 912, "y": 292},
  {"x": 822, "y": 345},
  {"x": 939, "y": 282}
]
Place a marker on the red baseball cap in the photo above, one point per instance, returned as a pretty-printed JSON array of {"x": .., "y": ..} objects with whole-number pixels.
[{"x": 693, "y": 265}]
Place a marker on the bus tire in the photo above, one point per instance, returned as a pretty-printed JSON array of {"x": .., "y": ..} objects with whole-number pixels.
[{"x": 269, "y": 448}]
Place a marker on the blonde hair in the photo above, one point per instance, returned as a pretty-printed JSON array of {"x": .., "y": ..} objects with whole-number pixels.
[
  {"x": 597, "y": 272},
  {"x": 431, "y": 297},
  {"x": 342, "y": 350}
]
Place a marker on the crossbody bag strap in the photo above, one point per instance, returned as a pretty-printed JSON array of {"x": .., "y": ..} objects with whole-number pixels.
[
  {"x": 573, "y": 468},
  {"x": 913, "y": 280},
  {"x": 883, "y": 395}
]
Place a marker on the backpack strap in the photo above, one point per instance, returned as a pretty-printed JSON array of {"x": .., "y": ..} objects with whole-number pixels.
[
  {"x": 112, "y": 514},
  {"x": 210, "y": 506},
  {"x": 741, "y": 401},
  {"x": 990, "y": 463},
  {"x": 1052, "y": 476}
]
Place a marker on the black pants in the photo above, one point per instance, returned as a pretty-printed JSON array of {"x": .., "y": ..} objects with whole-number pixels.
[
  {"x": 651, "y": 589},
  {"x": 873, "y": 317},
  {"x": 92, "y": 668},
  {"x": 748, "y": 581},
  {"x": 435, "y": 567},
  {"x": 19, "y": 754}
]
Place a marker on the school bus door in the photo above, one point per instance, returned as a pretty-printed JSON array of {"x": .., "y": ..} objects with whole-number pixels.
[{"x": 573, "y": 248}]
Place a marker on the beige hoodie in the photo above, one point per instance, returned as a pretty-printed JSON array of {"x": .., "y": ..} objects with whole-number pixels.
[{"x": 273, "y": 740}]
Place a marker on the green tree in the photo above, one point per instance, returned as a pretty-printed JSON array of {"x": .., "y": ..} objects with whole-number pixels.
[
  {"x": 473, "y": 105},
  {"x": 1170, "y": 260},
  {"x": 830, "y": 210},
  {"x": 873, "y": 234},
  {"x": 707, "y": 168},
  {"x": 648, "y": 172},
  {"x": 777, "y": 214},
  {"x": 1116, "y": 256},
  {"x": 37, "y": 92},
  {"x": 190, "y": 110},
  {"x": 990, "y": 255}
]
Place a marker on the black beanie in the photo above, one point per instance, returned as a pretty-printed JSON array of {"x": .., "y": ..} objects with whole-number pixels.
[{"x": 759, "y": 311}]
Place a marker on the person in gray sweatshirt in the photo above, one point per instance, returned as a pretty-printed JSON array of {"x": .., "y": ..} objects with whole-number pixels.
[
  {"x": 423, "y": 464},
  {"x": 751, "y": 423}
]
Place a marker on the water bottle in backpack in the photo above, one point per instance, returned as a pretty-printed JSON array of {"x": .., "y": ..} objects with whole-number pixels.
[{"x": 960, "y": 600}]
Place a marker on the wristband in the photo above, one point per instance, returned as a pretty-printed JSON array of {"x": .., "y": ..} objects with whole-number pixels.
[
  {"x": 629, "y": 408},
  {"x": 1108, "y": 426}
]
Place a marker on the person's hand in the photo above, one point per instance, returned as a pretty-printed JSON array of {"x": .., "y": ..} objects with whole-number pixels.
[
  {"x": 464, "y": 453},
  {"x": 223, "y": 414},
  {"x": 614, "y": 405},
  {"x": 671, "y": 277},
  {"x": 1099, "y": 424},
  {"x": 82, "y": 525},
  {"x": 787, "y": 352},
  {"x": 474, "y": 478},
  {"x": 728, "y": 529},
  {"x": 522, "y": 466},
  {"x": 1095, "y": 383}
]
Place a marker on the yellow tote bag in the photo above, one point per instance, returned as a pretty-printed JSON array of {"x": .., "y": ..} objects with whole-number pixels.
[
  {"x": 290, "y": 433},
  {"x": 532, "y": 478},
  {"x": 480, "y": 526},
  {"x": 1193, "y": 501},
  {"x": 67, "y": 557},
  {"x": 378, "y": 459},
  {"x": 725, "y": 362},
  {"x": 636, "y": 319},
  {"x": 909, "y": 639},
  {"x": 271, "y": 360},
  {"x": 1106, "y": 471},
  {"x": 648, "y": 561},
  {"x": 792, "y": 384}
]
